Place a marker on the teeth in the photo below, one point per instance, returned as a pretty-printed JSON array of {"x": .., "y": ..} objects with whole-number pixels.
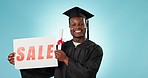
[{"x": 78, "y": 31}]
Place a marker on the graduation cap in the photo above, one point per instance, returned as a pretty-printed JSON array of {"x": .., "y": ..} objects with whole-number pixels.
[{"x": 78, "y": 12}]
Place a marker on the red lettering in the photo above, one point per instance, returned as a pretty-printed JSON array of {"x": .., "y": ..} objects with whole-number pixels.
[
  {"x": 40, "y": 52},
  {"x": 31, "y": 53},
  {"x": 49, "y": 51},
  {"x": 19, "y": 51}
]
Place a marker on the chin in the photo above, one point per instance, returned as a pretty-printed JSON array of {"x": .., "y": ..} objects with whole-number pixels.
[{"x": 78, "y": 36}]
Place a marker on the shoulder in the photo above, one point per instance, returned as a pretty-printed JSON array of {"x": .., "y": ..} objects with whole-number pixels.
[
  {"x": 92, "y": 46},
  {"x": 95, "y": 48},
  {"x": 67, "y": 43},
  {"x": 89, "y": 43}
]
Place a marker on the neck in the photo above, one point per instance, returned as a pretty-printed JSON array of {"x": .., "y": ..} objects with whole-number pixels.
[{"x": 79, "y": 40}]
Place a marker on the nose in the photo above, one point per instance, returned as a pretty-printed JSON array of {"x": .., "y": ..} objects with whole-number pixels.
[{"x": 77, "y": 26}]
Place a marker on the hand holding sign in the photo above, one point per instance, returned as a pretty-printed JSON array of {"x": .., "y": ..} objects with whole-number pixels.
[
  {"x": 11, "y": 58},
  {"x": 35, "y": 52}
]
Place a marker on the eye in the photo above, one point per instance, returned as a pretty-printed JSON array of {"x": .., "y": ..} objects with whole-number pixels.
[
  {"x": 73, "y": 24},
  {"x": 81, "y": 24}
]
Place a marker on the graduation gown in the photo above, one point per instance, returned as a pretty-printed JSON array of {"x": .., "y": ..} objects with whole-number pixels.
[
  {"x": 84, "y": 60},
  {"x": 37, "y": 73}
]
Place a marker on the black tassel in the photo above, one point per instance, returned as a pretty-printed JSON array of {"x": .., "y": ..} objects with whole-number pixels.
[{"x": 87, "y": 24}]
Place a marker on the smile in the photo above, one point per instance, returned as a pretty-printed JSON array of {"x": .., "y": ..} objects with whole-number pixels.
[{"x": 77, "y": 31}]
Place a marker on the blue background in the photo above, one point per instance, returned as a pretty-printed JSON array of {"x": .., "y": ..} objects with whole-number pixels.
[{"x": 119, "y": 26}]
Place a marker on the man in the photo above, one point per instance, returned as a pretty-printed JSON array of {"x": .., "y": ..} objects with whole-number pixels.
[{"x": 79, "y": 57}]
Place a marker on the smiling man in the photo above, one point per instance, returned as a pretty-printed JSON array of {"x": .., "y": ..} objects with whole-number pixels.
[{"x": 79, "y": 57}]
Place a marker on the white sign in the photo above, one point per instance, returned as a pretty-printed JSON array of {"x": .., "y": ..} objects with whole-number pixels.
[{"x": 35, "y": 52}]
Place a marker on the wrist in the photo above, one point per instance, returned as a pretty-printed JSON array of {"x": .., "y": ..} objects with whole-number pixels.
[{"x": 66, "y": 60}]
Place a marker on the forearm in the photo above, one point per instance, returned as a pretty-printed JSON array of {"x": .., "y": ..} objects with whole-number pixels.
[{"x": 66, "y": 61}]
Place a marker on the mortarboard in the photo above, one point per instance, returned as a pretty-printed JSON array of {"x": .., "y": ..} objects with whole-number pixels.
[{"x": 78, "y": 12}]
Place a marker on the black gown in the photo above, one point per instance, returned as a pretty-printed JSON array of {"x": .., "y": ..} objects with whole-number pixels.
[
  {"x": 37, "y": 73},
  {"x": 84, "y": 60}
]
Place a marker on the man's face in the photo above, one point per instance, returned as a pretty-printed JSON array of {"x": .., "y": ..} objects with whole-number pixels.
[{"x": 77, "y": 27}]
